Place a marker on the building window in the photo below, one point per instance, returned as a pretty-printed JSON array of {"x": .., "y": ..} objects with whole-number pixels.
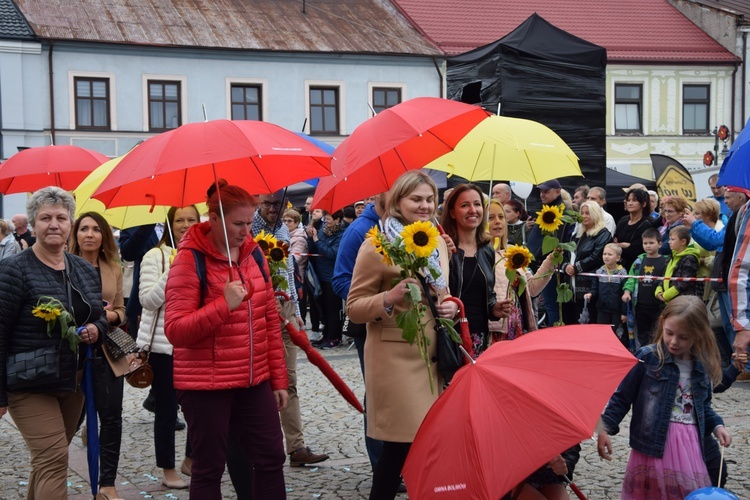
[
  {"x": 384, "y": 98},
  {"x": 695, "y": 109},
  {"x": 628, "y": 105},
  {"x": 324, "y": 110},
  {"x": 246, "y": 102},
  {"x": 92, "y": 103},
  {"x": 164, "y": 105}
]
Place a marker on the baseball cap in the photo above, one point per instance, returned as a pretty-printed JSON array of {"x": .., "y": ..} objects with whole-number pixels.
[
  {"x": 359, "y": 203},
  {"x": 551, "y": 184},
  {"x": 735, "y": 189}
]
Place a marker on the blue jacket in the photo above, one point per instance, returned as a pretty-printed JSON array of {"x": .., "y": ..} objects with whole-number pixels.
[
  {"x": 328, "y": 247},
  {"x": 352, "y": 239},
  {"x": 707, "y": 237},
  {"x": 650, "y": 388}
]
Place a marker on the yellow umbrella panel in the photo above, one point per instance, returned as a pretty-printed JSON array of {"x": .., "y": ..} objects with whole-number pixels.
[
  {"x": 511, "y": 149},
  {"x": 120, "y": 217}
]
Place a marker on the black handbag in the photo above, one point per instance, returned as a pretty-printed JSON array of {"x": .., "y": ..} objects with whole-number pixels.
[
  {"x": 38, "y": 369},
  {"x": 352, "y": 329},
  {"x": 449, "y": 355},
  {"x": 119, "y": 343}
]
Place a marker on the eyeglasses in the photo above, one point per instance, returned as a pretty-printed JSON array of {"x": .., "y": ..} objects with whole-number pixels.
[
  {"x": 669, "y": 211},
  {"x": 287, "y": 221},
  {"x": 269, "y": 204}
]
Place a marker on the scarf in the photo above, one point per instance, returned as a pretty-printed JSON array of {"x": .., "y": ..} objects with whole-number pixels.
[
  {"x": 331, "y": 230},
  {"x": 393, "y": 228}
]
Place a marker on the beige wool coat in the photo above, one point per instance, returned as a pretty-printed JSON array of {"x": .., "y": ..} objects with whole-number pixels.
[{"x": 396, "y": 382}]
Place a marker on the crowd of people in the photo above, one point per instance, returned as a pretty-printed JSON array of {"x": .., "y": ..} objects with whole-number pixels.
[{"x": 209, "y": 309}]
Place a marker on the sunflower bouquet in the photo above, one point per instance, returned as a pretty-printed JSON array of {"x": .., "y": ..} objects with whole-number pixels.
[
  {"x": 410, "y": 251},
  {"x": 52, "y": 310},
  {"x": 276, "y": 253},
  {"x": 549, "y": 220}
]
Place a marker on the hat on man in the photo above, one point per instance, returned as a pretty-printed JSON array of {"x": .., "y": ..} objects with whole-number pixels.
[
  {"x": 735, "y": 189},
  {"x": 551, "y": 184},
  {"x": 359, "y": 203}
]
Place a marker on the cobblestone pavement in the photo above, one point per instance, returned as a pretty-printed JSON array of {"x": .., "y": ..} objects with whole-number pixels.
[{"x": 333, "y": 427}]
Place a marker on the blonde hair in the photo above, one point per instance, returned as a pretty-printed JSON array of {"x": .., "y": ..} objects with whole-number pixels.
[
  {"x": 709, "y": 209},
  {"x": 504, "y": 238},
  {"x": 690, "y": 312},
  {"x": 597, "y": 217},
  {"x": 617, "y": 249},
  {"x": 404, "y": 185}
]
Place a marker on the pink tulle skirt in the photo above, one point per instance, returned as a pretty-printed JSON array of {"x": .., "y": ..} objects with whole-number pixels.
[{"x": 680, "y": 471}]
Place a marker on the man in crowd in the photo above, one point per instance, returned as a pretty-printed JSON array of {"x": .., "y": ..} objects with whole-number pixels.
[
  {"x": 739, "y": 284},
  {"x": 22, "y": 233},
  {"x": 359, "y": 207},
  {"x": 719, "y": 193},
  {"x": 501, "y": 192},
  {"x": 581, "y": 194}
]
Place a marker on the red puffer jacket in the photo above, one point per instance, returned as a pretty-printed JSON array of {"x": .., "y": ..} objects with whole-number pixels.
[{"x": 215, "y": 348}]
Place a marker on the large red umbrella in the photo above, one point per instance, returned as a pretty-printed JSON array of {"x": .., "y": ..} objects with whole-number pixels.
[
  {"x": 35, "y": 168},
  {"x": 176, "y": 168},
  {"x": 407, "y": 136},
  {"x": 521, "y": 404}
]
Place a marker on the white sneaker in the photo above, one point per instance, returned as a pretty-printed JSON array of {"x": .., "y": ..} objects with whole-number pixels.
[{"x": 314, "y": 336}]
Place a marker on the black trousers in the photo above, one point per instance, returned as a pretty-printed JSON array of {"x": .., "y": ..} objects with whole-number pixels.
[
  {"x": 333, "y": 311},
  {"x": 646, "y": 317},
  {"x": 165, "y": 410},
  {"x": 108, "y": 391},
  {"x": 387, "y": 475}
]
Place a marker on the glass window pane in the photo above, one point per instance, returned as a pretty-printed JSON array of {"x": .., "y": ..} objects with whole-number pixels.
[
  {"x": 157, "y": 119},
  {"x": 329, "y": 97},
  {"x": 171, "y": 115},
  {"x": 696, "y": 92},
  {"x": 253, "y": 113},
  {"x": 701, "y": 117},
  {"x": 251, "y": 94},
  {"x": 99, "y": 89},
  {"x": 83, "y": 88},
  {"x": 378, "y": 98},
  {"x": 84, "y": 113},
  {"x": 316, "y": 119},
  {"x": 100, "y": 113},
  {"x": 689, "y": 118},
  {"x": 627, "y": 92},
  {"x": 330, "y": 119},
  {"x": 155, "y": 91},
  {"x": 626, "y": 117},
  {"x": 238, "y": 112},
  {"x": 170, "y": 92},
  {"x": 237, "y": 94},
  {"x": 393, "y": 98},
  {"x": 316, "y": 96}
]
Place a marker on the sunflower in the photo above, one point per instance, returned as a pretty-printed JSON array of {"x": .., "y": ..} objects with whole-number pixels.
[
  {"x": 46, "y": 312},
  {"x": 420, "y": 238},
  {"x": 266, "y": 241},
  {"x": 550, "y": 218},
  {"x": 279, "y": 253},
  {"x": 517, "y": 257}
]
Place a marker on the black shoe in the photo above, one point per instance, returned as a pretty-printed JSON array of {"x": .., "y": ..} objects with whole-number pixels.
[
  {"x": 402, "y": 487},
  {"x": 329, "y": 344},
  {"x": 179, "y": 425},
  {"x": 149, "y": 403}
]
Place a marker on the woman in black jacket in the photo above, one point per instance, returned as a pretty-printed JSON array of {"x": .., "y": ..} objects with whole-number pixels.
[
  {"x": 592, "y": 234},
  {"x": 472, "y": 266},
  {"x": 49, "y": 398}
]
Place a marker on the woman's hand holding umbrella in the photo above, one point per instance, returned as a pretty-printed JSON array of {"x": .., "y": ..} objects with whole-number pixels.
[
  {"x": 89, "y": 333},
  {"x": 234, "y": 293}
]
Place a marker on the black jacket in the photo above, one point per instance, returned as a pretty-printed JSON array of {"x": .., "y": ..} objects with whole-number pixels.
[
  {"x": 486, "y": 261},
  {"x": 589, "y": 251},
  {"x": 23, "y": 280}
]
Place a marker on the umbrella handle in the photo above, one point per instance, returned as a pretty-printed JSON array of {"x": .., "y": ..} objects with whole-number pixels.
[
  {"x": 442, "y": 232},
  {"x": 574, "y": 488},
  {"x": 463, "y": 325}
]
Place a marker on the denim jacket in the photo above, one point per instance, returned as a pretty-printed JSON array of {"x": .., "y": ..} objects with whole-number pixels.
[{"x": 650, "y": 388}]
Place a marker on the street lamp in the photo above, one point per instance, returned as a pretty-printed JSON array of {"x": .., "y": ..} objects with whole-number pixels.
[{"x": 721, "y": 132}]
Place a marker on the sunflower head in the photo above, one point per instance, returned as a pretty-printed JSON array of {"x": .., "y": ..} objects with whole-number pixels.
[
  {"x": 549, "y": 218},
  {"x": 420, "y": 238},
  {"x": 517, "y": 257},
  {"x": 277, "y": 255},
  {"x": 266, "y": 241},
  {"x": 46, "y": 312}
]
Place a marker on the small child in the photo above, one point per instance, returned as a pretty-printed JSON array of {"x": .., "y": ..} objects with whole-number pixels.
[
  {"x": 670, "y": 393},
  {"x": 607, "y": 289},
  {"x": 642, "y": 291},
  {"x": 683, "y": 264}
]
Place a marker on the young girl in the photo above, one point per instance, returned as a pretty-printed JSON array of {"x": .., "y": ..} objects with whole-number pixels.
[{"x": 670, "y": 392}]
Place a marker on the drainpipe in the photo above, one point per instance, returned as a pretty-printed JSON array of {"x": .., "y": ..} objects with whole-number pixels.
[
  {"x": 51, "y": 93},
  {"x": 440, "y": 76},
  {"x": 734, "y": 95}
]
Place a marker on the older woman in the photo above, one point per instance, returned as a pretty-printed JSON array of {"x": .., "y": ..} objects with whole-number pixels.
[
  {"x": 707, "y": 210},
  {"x": 229, "y": 368},
  {"x": 8, "y": 244},
  {"x": 472, "y": 266},
  {"x": 398, "y": 392},
  {"x": 630, "y": 228},
  {"x": 673, "y": 208},
  {"x": 521, "y": 318},
  {"x": 92, "y": 239},
  {"x": 46, "y": 404},
  {"x": 591, "y": 237}
]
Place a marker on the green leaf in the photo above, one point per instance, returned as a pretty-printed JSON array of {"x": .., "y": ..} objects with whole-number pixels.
[
  {"x": 569, "y": 246},
  {"x": 511, "y": 275},
  {"x": 549, "y": 243},
  {"x": 408, "y": 322},
  {"x": 564, "y": 293},
  {"x": 415, "y": 292},
  {"x": 450, "y": 326},
  {"x": 521, "y": 285}
]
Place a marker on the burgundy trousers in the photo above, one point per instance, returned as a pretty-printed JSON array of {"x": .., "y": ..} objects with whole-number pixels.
[{"x": 253, "y": 416}]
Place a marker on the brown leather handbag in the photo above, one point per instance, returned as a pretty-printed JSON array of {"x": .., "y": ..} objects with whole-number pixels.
[{"x": 143, "y": 376}]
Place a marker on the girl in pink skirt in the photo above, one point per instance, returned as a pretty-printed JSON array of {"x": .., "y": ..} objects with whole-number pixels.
[{"x": 670, "y": 393}]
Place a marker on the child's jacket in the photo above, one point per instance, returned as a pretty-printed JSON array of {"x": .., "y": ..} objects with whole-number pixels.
[
  {"x": 683, "y": 265},
  {"x": 606, "y": 290}
]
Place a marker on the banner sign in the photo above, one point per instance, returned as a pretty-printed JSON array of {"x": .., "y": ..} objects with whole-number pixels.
[{"x": 672, "y": 179}]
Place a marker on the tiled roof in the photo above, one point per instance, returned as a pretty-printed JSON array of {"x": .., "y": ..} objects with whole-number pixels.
[
  {"x": 641, "y": 31},
  {"x": 12, "y": 23},
  {"x": 338, "y": 26}
]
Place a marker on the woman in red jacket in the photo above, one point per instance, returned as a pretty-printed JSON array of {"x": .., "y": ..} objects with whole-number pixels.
[{"x": 228, "y": 355}]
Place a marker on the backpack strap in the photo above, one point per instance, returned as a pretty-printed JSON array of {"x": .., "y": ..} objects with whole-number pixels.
[
  {"x": 260, "y": 259},
  {"x": 200, "y": 268}
]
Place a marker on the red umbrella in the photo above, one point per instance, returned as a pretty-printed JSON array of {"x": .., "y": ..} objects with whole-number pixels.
[
  {"x": 406, "y": 136},
  {"x": 300, "y": 340},
  {"x": 175, "y": 168},
  {"x": 35, "y": 168},
  {"x": 509, "y": 413}
]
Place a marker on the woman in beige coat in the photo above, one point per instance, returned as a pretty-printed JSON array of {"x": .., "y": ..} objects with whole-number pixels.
[{"x": 398, "y": 390}]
